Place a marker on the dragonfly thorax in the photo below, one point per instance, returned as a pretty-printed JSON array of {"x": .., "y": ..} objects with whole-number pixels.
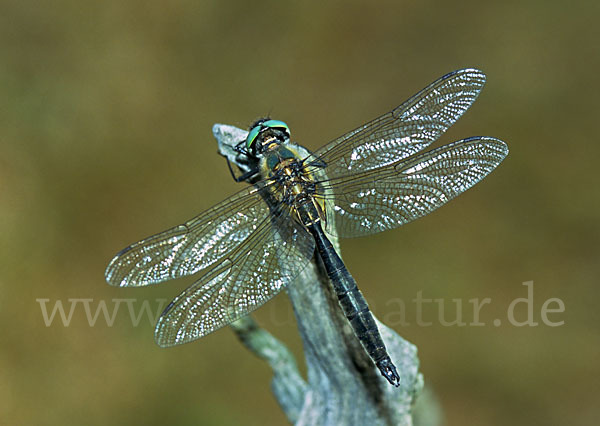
[{"x": 292, "y": 184}]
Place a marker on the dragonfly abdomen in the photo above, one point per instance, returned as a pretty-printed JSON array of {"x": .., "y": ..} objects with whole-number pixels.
[
  {"x": 354, "y": 305},
  {"x": 357, "y": 311}
]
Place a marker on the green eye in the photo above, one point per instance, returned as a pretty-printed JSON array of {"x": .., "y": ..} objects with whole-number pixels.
[
  {"x": 277, "y": 124},
  {"x": 252, "y": 135}
]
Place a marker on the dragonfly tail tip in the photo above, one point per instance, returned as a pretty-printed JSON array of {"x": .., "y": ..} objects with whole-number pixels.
[{"x": 388, "y": 370}]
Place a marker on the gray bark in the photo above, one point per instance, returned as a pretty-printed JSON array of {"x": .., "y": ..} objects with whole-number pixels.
[{"x": 343, "y": 386}]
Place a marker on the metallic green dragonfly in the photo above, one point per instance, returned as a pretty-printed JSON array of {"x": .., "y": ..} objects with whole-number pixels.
[{"x": 250, "y": 246}]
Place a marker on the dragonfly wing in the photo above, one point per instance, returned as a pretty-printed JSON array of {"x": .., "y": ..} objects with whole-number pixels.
[
  {"x": 186, "y": 249},
  {"x": 405, "y": 130},
  {"x": 385, "y": 198},
  {"x": 246, "y": 278}
]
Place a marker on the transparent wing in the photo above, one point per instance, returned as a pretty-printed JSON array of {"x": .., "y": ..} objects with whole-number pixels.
[
  {"x": 186, "y": 249},
  {"x": 246, "y": 278},
  {"x": 405, "y": 130},
  {"x": 385, "y": 198}
]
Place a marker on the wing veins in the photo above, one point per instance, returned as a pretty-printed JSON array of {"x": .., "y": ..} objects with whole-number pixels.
[
  {"x": 138, "y": 264},
  {"x": 366, "y": 203},
  {"x": 405, "y": 130},
  {"x": 220, "y": 288}
]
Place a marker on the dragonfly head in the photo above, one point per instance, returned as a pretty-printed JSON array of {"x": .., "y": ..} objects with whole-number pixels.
[{"x": 264, "y": 133}]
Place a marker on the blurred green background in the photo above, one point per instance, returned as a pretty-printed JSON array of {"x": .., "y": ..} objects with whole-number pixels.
[{"x": 106, "y": 111}]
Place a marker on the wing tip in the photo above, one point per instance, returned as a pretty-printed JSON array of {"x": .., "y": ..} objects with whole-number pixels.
[
  {"x": 109, "y": 273},
  {"x": 111, "y": 269},
  {"x": 161, "y": 331},
  {"x": 498, "y": 148},
  {"x": 475, "y": 73},
  {"x": 161, "y": 341}
]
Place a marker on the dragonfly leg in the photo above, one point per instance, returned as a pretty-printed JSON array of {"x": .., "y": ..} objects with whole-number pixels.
[{"x": 242, "y": 177}]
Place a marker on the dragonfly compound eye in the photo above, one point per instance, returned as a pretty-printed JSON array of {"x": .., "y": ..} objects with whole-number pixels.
[
  {"x": 279, "y": 125},
  {"x": 252, "y": 135}
]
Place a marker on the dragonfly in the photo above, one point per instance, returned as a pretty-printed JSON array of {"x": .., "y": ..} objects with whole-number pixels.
[{"x": 253, "y": 244}]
